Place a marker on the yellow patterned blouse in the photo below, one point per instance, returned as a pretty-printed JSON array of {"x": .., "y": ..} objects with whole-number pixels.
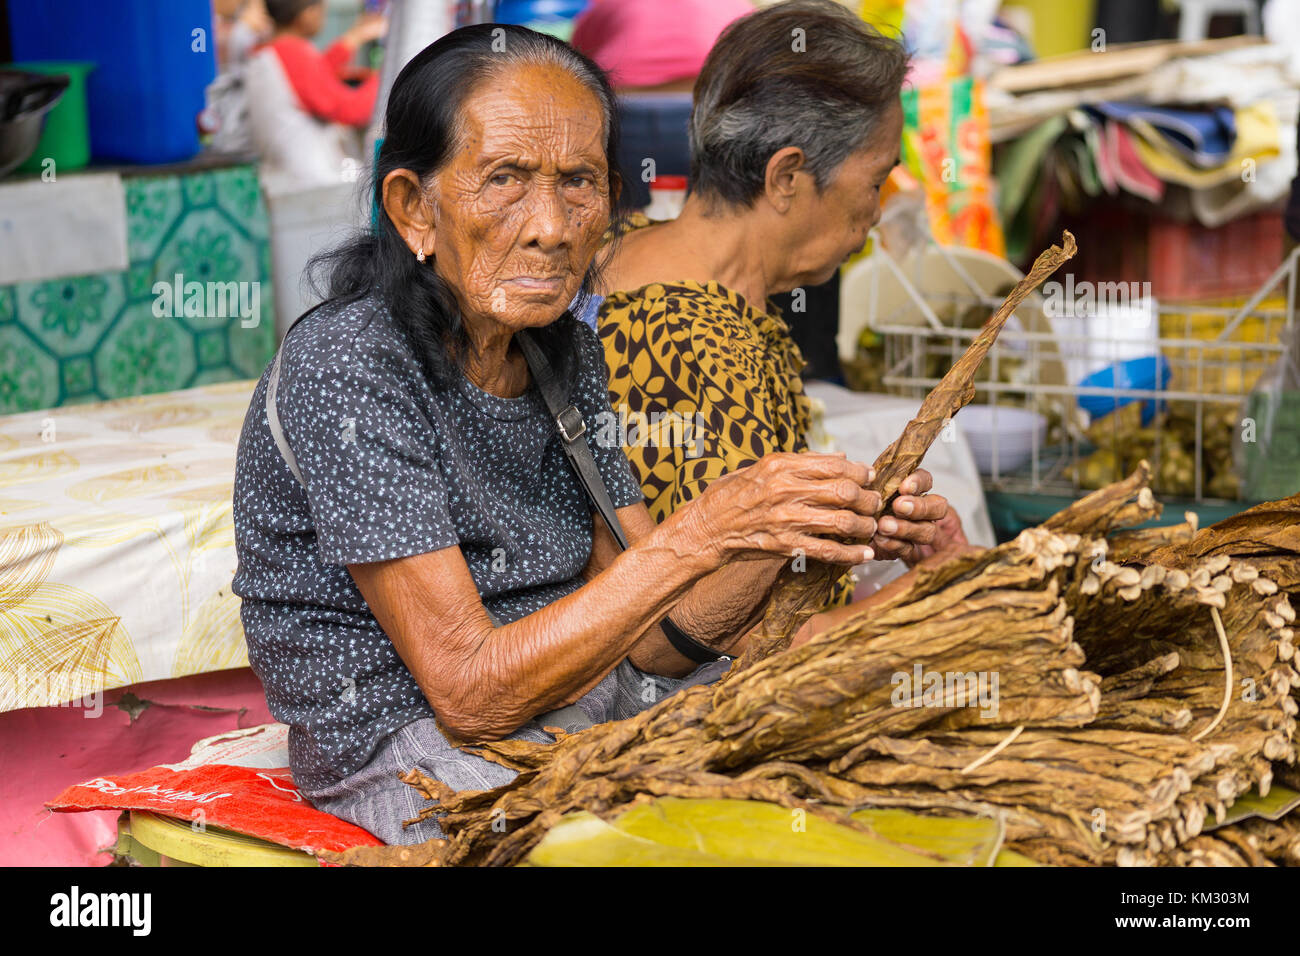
[
  {"x": 706, "y": 384},
  {"x": 701, "y": 355}
]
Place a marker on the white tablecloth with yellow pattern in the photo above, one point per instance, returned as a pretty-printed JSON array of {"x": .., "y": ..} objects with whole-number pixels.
[{"x": 117, "y": 545}]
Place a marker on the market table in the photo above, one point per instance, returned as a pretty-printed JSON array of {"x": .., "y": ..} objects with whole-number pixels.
[
  {"x": 117, "y": 544},
  {"x": 117, "y": 538}
]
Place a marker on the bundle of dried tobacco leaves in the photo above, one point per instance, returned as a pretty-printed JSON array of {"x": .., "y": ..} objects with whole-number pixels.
[
  {"x": 1143, "y": 682},
  {"x": 1114, "y": 738}
]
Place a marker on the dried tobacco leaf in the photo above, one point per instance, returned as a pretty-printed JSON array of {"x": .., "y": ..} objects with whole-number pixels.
[
  {"x": 1099, "y": 769},
  {"x": 798, "y": 594},
  {"x": 1272, "y": 527}
]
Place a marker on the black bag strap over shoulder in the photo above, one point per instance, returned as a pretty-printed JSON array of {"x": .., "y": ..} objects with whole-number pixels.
[
  {"x": 573, "y": 429},
  {"x": 272, "y": 413}
]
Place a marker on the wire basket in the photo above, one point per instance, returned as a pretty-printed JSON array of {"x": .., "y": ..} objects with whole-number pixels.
[{"x": 1211, "y": 403}]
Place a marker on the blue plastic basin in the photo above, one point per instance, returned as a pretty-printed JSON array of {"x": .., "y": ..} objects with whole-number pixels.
[{"x": 1138, "y": 373}]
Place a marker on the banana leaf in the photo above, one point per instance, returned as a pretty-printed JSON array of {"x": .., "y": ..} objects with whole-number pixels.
[
  {"x": 1279, "y": 802},
  {"x": 694, "y": 832},
  {"x": 1012, "y": 858},
  {"x": 964, "y": 841}
]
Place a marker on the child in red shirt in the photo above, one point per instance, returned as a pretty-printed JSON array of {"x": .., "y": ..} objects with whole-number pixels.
[{"x": 317, "y": 78}]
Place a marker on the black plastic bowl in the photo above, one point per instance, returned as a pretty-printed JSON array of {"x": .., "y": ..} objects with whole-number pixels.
[{"x": 25, "y": 98}]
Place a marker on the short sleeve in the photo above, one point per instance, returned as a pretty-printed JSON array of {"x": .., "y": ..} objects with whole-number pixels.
[
  {"x": 592, "y": 398},
  {"x": 368, "y": 457}
]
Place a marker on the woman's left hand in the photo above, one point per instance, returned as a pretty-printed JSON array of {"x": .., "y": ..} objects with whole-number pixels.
[{"x": 917, "y": 525}]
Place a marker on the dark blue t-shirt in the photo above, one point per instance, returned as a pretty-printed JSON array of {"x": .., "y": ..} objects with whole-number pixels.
[{"x": 393, "y": 467}]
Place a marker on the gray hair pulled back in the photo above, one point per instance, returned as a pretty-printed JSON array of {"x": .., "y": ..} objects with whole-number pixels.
[{"x": 805, "y": 73}]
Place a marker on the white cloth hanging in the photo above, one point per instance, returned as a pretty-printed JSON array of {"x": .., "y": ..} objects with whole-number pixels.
[{"x": 298, "y": 150}]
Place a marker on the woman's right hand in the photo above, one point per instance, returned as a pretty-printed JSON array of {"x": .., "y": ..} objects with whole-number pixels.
[{"x": 787, "y": 504}]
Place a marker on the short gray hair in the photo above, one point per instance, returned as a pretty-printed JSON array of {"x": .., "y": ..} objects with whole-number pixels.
[{"x": 805, "y": 73}]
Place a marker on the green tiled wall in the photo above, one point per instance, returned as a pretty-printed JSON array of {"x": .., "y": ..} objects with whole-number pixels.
[{"x": 94, "y": 337}]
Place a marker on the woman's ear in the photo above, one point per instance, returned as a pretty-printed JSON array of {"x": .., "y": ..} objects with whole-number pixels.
[
  {"x": 782, "y": 170},
  {"x": 406, "y": 207}
]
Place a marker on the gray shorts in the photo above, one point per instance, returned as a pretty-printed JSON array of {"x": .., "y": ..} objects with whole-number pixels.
[{"x": 375, "y": 800}]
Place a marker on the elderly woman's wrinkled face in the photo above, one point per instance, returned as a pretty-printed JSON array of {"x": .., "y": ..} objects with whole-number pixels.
[
  {"x": 520, "y": 209},
  {"x": 834, "y": 224}
]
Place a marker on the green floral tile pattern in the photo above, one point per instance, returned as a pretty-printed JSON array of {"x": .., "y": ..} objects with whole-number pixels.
[
  {"x": 93, "y": 337},
  {"x": 153, "y": 205},
  {"x": 240, "y": 195},
  {"x": 212, "y": 348},
  {"x": 29, "y": 377},
  {"x": 78, "y": 376},
  {"x": 68, "y": 316},
  {"x": 144, "y": 354}
]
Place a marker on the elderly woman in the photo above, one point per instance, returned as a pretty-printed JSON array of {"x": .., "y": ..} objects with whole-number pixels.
[
  {"x": 420, "y": 565},
  {"x": 790, "y": 144}
]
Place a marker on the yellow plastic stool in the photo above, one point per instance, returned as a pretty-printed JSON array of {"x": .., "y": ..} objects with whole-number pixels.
[{"x": 149, "y": 839}]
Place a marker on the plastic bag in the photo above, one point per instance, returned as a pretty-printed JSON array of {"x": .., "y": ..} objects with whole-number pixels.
[{"x": 1269, "y": 449}]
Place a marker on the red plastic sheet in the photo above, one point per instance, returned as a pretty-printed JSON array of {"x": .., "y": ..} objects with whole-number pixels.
[
  {"x": 259, "y": 802},
  {"x": 46, "y": 749}
]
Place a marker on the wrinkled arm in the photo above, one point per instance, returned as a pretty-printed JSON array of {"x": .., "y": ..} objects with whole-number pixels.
[
  {"x": 486, "y": 681},
  {"x": 718, "y": 610}
]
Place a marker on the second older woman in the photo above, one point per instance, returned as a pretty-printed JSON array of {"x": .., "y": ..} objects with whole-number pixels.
[{"x": 795, "y": 127}]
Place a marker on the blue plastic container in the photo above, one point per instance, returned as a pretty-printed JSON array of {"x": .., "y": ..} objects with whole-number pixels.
[
  {"x": 555, "y": 17},
  {"x": 1136, "y": 374},
  {"x": 531, "y": 11},
  {"x": 154, "y": 59}
]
